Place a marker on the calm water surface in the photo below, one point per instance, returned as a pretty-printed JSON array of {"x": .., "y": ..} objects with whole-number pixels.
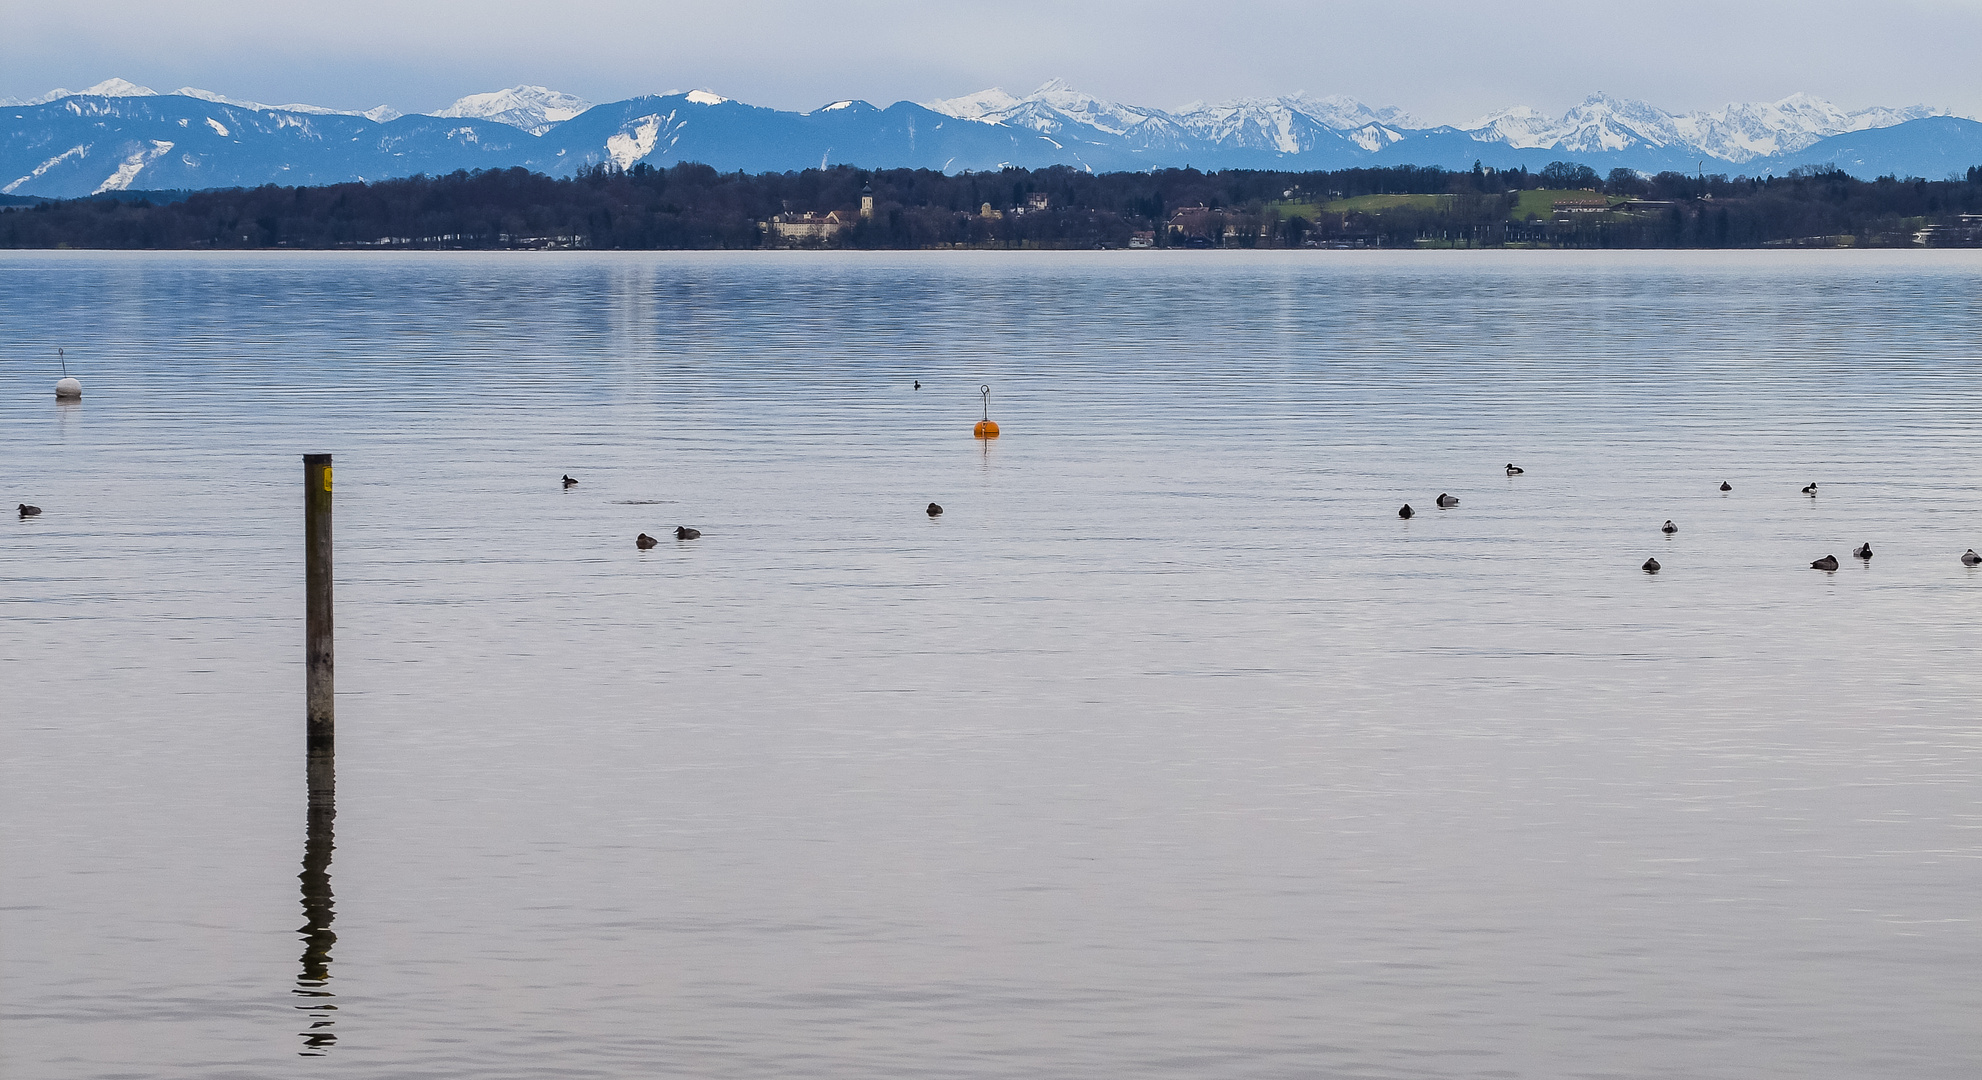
[{"x": 1168, "y": 751}]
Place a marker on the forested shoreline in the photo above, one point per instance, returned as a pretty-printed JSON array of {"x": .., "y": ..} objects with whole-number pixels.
[{"x": 692, "y": 206}]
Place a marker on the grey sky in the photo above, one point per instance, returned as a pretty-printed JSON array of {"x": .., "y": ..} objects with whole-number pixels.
[{"x": 1446, "y": 61}]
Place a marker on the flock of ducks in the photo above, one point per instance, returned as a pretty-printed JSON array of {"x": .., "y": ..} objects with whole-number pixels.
[
  {"x": 643, "y": 541},
  {"x": 1651, "y": 566},
  {"x": 1444, "y": 501}
]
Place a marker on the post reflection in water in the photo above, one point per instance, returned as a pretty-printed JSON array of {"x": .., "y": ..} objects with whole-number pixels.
[{"x": 318, "y": 907}]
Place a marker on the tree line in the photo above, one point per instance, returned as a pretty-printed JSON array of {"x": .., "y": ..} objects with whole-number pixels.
[{"x": 691, "y": 206}]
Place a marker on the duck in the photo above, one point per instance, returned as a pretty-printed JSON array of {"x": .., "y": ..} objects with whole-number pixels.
[
  {"x": 643, "y": 541},
  {"x": 1811, "y": 490},
  {"x": 1448, "y": 500},
  {"x": 1828, "y": 562},
  {"x": 918, "y": 384},
  {"x": 29, "y": 511},
  {"x": 1514, "y": 470},
  {"x": 1651, "y": 566},
  {"x": 1863, "y": 551},
  {"x": 935, "y": 510},
  {"x": 683, "y": 532},
  {"x": 1725, "y": 486},
  {"x": 1406, "y": 512},
  {"x": 568, "y": 481},
  {"x": 1970, "y": 558},
  {"x": 1668, "y": 527}
]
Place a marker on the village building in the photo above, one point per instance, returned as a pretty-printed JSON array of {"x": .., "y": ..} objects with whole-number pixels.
[
  {"x": 1964, "y": 231},
  {"x": 812, "y": 226},
  {"x": 1581, "y": 204}
]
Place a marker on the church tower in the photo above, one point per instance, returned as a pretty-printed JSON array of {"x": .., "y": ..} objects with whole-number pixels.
[{"x": 867, "y": 202}]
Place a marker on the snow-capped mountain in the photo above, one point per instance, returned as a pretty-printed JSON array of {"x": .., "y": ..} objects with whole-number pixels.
[
  {"x": 1733, "y": 133},
  {"x": 126, "y": 88},
  {"x": 535, "y": 109},
  {"x": 1275, "y": 124},
  {"x": 121, "y": 136},
  {"x": 86, "y": 144},
  {"x": 106, "y": 88},
  {"x": 1068, "y": 116}
]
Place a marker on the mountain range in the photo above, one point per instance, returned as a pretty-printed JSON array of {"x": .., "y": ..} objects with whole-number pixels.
[{"x": 119, "y": 136}]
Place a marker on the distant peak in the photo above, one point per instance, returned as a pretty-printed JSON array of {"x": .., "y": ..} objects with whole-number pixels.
[
  {"x": 120, "y": 88},
  {"x": 977, "y": 106},
  {"x": 535, "y": 109},
  {"x": 106, "y": 88},
  {"x": 1054, "y": 86}
]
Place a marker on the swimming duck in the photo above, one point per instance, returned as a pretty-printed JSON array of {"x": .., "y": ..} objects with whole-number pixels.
[
  {"x": 1811, "y": 490},
  {"x": 1406, "y": 512},
  {"x": 1828, "y": 562},
  {"x": 1651, "y": 566},
  {"x": 934, "y": 510},
  {"x": 918, "y": 384},
  {"x": 643, "y": 541},
  {"x": 568, "y": 481},
  {"x": 1971, "y": 558},
  {"x": 1863, "y": 551},
  {"x": 29, "y": 511},
  {"x": 1514, "y": 470},
  {"x": 1448, "y": 500},
  {"x": 1668, "y": 527},
  {"x": 1725, "y": 486},
  {"x": 683, "y": 532}
]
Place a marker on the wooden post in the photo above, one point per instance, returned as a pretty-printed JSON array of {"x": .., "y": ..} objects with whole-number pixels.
[{"x": 319, "y": 643}]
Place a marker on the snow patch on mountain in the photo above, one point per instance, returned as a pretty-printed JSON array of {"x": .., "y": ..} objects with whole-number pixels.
[
  {"x": 1374, "y": 137},
  {"x": 129, "y": 168},
  {"x": 636, "y": 139},
  {"x": 705, "y": 97},
  {"x": 41, "y": 170},
  {"x": 535, "y": 109}
]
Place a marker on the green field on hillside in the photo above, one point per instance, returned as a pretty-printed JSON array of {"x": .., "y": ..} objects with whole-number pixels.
[
  {"x": 1377, "y": 204},
  {"x": 1539, "y": 203}
]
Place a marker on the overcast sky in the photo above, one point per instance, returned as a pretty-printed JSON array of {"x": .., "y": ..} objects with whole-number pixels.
[{"x": 1445, "y": 61}]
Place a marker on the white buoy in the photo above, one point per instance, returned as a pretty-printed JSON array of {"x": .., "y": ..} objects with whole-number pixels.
[{"x": 67, "y": 389}]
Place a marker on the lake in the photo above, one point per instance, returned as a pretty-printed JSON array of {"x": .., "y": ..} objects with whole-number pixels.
[{"x": 1168, "y": 751}]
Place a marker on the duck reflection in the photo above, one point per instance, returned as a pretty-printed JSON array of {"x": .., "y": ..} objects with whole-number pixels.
[{"x": 318, "y": 907}]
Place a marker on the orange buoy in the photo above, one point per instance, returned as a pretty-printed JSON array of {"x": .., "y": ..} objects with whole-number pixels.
[{"x": 985, "y": 429}]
